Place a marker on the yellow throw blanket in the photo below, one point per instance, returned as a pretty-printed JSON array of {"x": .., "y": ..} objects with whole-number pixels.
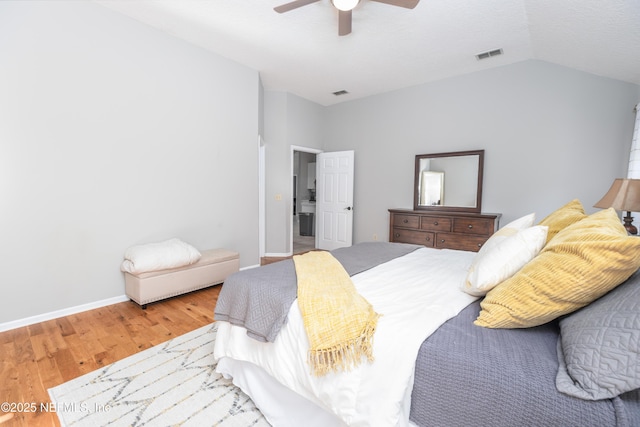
[{"x": 339, "y": 322}]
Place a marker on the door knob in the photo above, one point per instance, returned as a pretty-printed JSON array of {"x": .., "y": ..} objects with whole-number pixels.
[{"x": 348, "y": 208}]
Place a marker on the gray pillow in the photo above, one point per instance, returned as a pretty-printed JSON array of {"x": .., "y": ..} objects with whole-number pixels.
[{"x": 599, "y": 345}]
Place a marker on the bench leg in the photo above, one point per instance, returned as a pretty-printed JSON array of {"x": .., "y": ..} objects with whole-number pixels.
[{"x": 144, "y": 306}]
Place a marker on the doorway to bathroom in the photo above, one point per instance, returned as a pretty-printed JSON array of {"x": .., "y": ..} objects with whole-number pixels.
[{"x": 303, "y": 224}]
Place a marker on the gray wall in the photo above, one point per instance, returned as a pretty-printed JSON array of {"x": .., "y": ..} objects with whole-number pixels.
[
  {"x": 114, "y": 134},
  {"x": 550, "y": 134},
  {"x": 288, "y": 120}
]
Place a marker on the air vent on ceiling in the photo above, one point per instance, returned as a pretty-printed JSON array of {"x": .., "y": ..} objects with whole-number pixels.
[
  {"x": 489, "y": 54},
  {"x": 340, "y": 92}
]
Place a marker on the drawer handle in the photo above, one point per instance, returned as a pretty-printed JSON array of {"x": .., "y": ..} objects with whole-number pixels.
[
  {"x": 479, "y": 245},
  {"x": 442, "y": 241},
  {"x": 435, "y": 223},
  {"x": 397, "y": 234},
  {"x": 405, "y": 221},
  {"x": 428, "y": 238},
  {"x": 470, "y": 226}
]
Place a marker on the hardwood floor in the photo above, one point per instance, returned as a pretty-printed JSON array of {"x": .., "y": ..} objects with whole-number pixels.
[
  {"x": 271, "y": 259},
  {"x": 37, "y": 357}
]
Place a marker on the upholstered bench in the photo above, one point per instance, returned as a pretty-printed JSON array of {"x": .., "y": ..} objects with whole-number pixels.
[{"x": 212, "y": 268}]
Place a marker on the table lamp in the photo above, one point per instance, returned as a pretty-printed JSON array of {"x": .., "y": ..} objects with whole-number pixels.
[{"x": 624, "y": 195}]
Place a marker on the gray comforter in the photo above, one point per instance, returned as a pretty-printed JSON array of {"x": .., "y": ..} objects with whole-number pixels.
[
  {"x": 259, "y": 299},
  {"x": 472, "y": 376}
]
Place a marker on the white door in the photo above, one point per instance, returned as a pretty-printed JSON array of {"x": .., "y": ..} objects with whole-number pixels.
[{"x": 334, "y": 199}]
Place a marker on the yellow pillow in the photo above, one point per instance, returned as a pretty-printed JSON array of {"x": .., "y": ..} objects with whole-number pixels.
[
  {"x": 583, "y": 262},
  {"x": 563, "y": 217}
]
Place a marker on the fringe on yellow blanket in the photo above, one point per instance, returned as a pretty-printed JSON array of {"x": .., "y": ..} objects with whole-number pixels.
[{"x": 339, "y": 322}]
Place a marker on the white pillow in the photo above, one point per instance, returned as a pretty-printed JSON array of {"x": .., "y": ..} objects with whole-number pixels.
[
  {"x": 507, "y": 231},
  {"x": 510, "y": 229},
  {"x": 522, "y": 222},
  {"x": 506, "y": 252},
  {"x": 164, "y": 255}
]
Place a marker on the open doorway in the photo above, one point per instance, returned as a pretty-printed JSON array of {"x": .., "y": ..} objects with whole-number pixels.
[{"x": 303, "y": 224}]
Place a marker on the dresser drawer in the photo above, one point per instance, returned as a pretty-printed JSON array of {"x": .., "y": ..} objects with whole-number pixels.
[
  {"x": 409, "y": 221},
  {"x": 463, "y": 242},
  {"x": 415, "y": 237},
  {"x": 462, "y": 231},
  {"x": 473, "y": 226},
  {"x": 433, "y": 223}
]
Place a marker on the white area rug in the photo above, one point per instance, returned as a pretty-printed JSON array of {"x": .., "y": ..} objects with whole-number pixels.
[{"x": 173, "y": 383}]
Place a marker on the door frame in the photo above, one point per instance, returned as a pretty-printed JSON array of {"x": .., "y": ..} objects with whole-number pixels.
[
  {"x": 262, "y": 202},
  {"x": 293, "y": 149}
]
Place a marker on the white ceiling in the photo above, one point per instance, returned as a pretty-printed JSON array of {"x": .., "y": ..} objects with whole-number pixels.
[{"x": 391, "y": 47}]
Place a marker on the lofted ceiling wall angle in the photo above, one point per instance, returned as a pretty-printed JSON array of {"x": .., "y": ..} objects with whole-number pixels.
[{"x": 391, "y": 47}]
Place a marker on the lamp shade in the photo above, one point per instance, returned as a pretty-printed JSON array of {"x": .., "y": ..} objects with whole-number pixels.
[
  {"x": 345, "y": 5},
  {"x": 624, "y": 195}
]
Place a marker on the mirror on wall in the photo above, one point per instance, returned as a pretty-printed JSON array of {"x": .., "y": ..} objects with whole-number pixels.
[{"x": 449, "y": 181}]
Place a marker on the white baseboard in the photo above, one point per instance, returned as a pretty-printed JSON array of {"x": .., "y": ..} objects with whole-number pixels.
[
  {"x": 60, "y": 313},
  {"x": 14, "y": 324}
]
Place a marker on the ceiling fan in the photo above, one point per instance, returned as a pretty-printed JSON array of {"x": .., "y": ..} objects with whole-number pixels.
[{"x": 344, "y": 8}]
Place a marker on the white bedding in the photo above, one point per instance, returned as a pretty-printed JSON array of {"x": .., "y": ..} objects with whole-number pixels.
[
  {"x": 164, "y": 255},
  {"x": 415, "y": 294}
]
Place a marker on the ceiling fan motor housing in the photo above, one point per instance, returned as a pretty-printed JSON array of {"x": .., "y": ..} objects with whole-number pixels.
[
  {"x": 345, "y": 5},
  {"x": 344, "y": 8}
]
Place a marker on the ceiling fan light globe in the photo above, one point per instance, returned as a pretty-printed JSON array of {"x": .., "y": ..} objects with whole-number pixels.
[{"x": 345, "y": 5}]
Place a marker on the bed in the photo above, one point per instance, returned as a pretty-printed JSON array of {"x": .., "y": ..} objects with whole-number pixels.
[{"x": 434, "y": 364}]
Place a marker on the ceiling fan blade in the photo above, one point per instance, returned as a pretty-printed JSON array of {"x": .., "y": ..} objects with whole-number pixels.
[
  {"x": 344, "y": 22},
  {"x": 409, "y": 4},
  {"x": 293, "y": 5}
]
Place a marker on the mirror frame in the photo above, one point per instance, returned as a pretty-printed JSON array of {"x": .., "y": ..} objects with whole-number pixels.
[{"x": 416, "y": 183}]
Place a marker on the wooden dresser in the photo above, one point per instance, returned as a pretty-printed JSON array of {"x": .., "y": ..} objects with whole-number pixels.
[{"x": 442, "y": 230}]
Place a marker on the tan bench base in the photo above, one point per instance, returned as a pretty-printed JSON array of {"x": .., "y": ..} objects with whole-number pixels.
[{"x": 213, "y": 267}]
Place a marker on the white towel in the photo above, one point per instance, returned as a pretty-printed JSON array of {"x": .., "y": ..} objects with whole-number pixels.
[{"x": 171, "y": 253}]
